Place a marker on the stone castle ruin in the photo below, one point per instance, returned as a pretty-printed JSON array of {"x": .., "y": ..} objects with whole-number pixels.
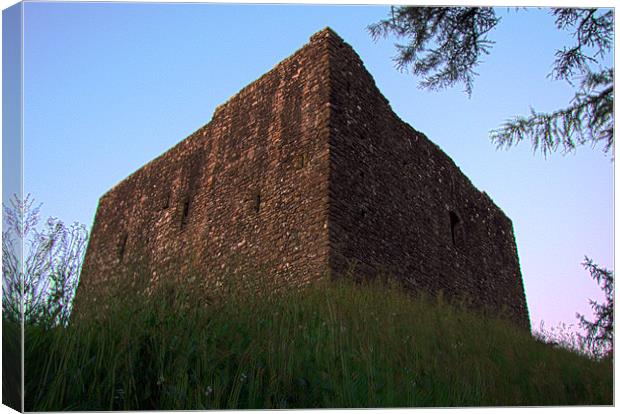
[{"x": 308, "y": 171}]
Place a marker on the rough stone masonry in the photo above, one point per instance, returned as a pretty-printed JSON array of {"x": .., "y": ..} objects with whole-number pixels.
[{"x": 304, "y": 173}]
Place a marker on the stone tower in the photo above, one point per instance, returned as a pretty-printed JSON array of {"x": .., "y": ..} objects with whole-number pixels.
[{"x": 305, "y": 172}]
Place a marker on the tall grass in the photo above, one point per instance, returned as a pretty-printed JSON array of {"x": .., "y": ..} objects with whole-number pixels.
[{"x": 330, "y": 344}]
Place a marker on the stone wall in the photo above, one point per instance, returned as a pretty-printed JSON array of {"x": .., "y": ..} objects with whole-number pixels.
[
  {"x": 307, "y": 171},
  {"x": 248, "y": 188},
  {"x": 399, "y": 205}
]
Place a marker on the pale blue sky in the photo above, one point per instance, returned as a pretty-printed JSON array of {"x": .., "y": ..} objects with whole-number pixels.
[{"x": 108, "y": 87}]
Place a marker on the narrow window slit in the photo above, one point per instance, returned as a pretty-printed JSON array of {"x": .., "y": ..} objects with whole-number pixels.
[
  {"x": 166, "y": 202},
  {"x": 121, "y": 247},
  {"x": 257, "y": 203},
  {"x": 303, "y": 160},
  {"x": 185, "y": 216},
  {"x": 455, "y": 223}
]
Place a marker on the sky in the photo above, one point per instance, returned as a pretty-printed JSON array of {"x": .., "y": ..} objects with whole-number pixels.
[{"x": 110, "y": 86}]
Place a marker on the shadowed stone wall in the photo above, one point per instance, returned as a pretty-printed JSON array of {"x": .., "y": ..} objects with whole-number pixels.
[
  {"x": 306, "y": 171},
  {"x": 399, "y": 204}
]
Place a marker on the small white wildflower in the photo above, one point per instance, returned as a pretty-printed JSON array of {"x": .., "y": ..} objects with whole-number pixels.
[
  {"x": 209, "y": 390},
  {"x": 119, "y": 394},
  {"x": 243, "y": 377}
]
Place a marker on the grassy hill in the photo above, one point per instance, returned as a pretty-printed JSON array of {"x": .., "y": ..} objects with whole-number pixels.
[{"x": 327, "y": 345}]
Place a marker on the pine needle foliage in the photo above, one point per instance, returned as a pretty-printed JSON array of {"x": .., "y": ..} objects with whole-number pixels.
[
  {"x": 458, "y": 34},
  {"x": 599, "y": 337},
  {"x": 445, "y": 44}
]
